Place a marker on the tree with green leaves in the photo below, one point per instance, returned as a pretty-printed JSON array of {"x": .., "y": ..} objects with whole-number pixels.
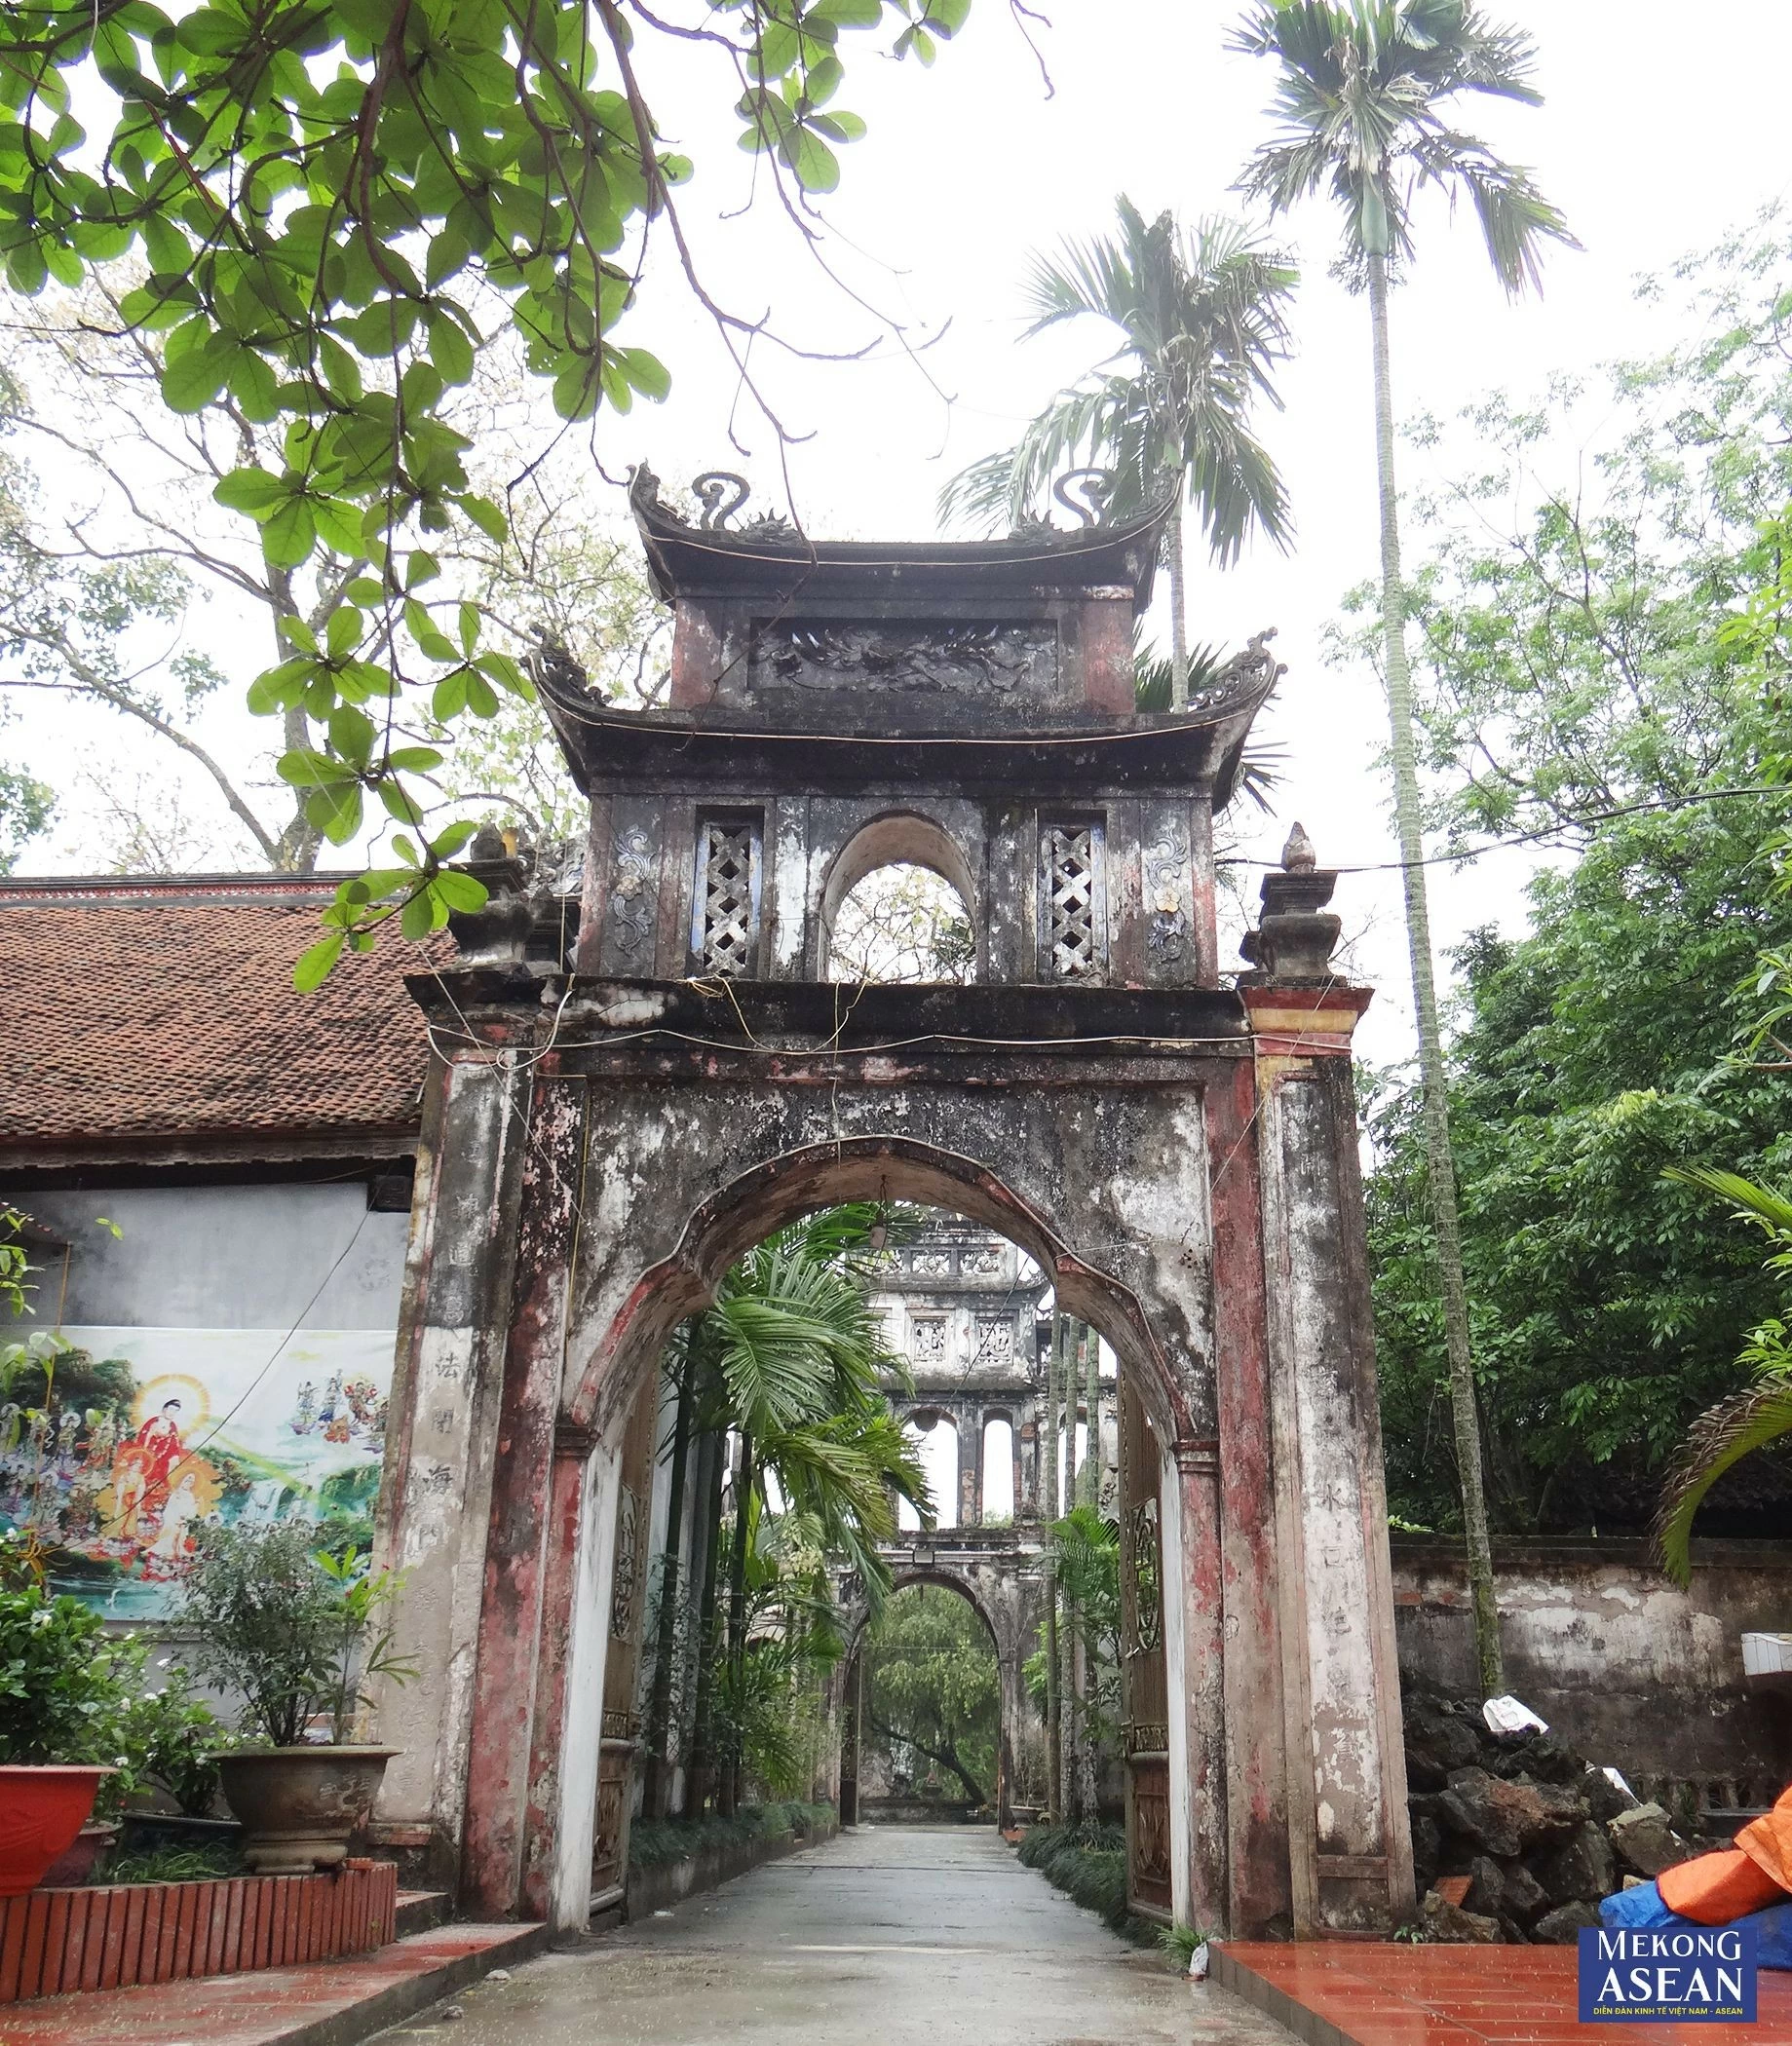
[
  {"x": 1201, "y": 318},
  {"x": 333, "y": 204},
  {"x": 931, "y": 1688},
  {"x": 1599, "y": 658},
  {"x": 1364, "y": 89},
  {"x": 133, "y": 541}
]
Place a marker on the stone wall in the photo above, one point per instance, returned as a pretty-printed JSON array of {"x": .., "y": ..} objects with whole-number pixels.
[{"x": 1632, "y": 1673}]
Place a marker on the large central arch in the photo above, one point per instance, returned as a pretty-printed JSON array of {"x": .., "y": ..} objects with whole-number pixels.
[
  {"x": 780, "y": 1190},
  {"x": 620, "y": 1352}
]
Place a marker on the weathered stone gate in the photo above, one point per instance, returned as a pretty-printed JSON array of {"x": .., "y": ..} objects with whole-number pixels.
[{"x": 610, "y": 1124}]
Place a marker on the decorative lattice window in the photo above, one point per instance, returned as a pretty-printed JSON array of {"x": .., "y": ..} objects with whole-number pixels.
[
  {"x": 928, "y": 1339},
  {"x": 994, "y": 1344},
  {"x": 1072, "y": 925},
  {"x": 725, "y": 919}
]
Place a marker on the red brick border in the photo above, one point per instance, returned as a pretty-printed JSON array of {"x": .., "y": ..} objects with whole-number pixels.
[{"x": 117, "y": 1936}]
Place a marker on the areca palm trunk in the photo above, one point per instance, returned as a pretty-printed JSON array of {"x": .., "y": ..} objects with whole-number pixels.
[
  {"x": 660, "y": 1706},
  {"x": 1178, "y": 616},
  {"x": 703, "y": 1728},
  {"x": 1090, "y": 1492},
  {"x": 737, "y": 1624},
  {"x": 1048, "y": 1484},
  {"x": 1439, "y": 1165},
  {"x": 1068, "y": 1771}
]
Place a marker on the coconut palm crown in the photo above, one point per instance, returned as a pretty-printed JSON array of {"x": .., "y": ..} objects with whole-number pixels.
[
  {"x": 1200, "y": 318},
  {"x": 1360, "y": 93}
]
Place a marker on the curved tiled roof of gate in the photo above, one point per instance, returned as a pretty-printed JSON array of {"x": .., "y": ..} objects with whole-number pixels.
[{"x": 158, "y": 1016}]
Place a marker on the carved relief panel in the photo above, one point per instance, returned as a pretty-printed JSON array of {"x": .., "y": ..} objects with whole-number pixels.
[{"x": 626, "y": 943}]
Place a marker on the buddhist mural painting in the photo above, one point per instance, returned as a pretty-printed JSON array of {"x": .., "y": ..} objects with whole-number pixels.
[{"x": 138, "y": 1437}]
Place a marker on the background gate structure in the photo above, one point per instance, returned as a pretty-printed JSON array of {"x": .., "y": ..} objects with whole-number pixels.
[
  {"x": 611, "y": 1120},
  {"x": 961, "y": 1307}
]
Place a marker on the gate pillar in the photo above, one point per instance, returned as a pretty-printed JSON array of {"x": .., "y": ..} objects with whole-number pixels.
[{"x": 1350, "y": 1845}]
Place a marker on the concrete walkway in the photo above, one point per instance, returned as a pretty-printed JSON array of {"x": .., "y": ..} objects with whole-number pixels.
[{"x": 881, "y": 1937}]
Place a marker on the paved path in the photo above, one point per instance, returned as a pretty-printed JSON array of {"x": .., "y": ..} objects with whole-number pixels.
[{"x": 881, "y": 1937}]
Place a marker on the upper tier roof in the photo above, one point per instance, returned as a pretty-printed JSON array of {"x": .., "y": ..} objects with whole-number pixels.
[{"x": 768, "y": 558}]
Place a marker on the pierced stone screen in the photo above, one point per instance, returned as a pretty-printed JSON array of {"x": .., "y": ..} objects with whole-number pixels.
[
  {"x": 725, "y": 928},
  {"x": 1072, "y": 925}
]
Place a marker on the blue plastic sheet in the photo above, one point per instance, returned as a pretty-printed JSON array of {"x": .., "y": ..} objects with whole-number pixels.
[{"x": 1641, "y": 1910}]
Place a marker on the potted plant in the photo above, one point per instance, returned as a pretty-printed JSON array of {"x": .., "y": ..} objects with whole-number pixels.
[
  {"x": 299, "y": 1632},
  {"x": 63, "y": 1686},
  {"x": 173, "y": 1741}
]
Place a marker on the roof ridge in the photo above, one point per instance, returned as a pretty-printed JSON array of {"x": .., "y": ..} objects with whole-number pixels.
[{"x": 123, "y": 889}]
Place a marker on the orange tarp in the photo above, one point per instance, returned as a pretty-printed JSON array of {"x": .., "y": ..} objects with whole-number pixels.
[
  {"x": 1714, "y": 1889},
  {"x": 1768, "y": 1840}
]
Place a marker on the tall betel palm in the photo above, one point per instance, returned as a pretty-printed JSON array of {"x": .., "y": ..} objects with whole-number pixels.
[
  {"x": 1362, "y": 98},
  {"x": 1202, "y": 319}
]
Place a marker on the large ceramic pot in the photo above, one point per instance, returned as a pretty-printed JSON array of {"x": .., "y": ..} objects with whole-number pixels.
[
  {"x": 300, "y": 1805},
  {"x": 41, "y": 1808}
]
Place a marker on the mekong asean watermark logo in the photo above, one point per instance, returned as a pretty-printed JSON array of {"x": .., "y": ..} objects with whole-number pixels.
[{"x": 1686, "y": 1974}]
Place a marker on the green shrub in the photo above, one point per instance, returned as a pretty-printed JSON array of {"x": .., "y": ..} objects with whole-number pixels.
[
  {"x": 65, "y": 1686},
  {"x": 297, "y": 1629},
  {"x": 653, "y": 1843},
  {"x": 173, "y": 1738},
  {"x": 1089, "y": 1865}
]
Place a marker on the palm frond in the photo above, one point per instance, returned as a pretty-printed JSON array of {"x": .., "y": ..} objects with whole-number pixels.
[
  {"x": 1150, "y": 675},
  {"x": 1721, "y": 1436},
  {"x": 1751, "y": 1200},
  {"x": 1516, "y": 220}
]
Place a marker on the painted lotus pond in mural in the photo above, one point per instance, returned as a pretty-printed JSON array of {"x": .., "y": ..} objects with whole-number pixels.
[{"x": 143, "y": 1434}]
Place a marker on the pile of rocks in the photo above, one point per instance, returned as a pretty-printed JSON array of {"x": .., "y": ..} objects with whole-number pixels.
[{"x": 1538, "y": 1833}]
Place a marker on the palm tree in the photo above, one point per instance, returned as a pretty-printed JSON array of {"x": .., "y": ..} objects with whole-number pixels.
[
  {"x": 1750, "y": 1420},
  {"x": 795, "y": 1370},
  {"x": 1361, "y": 95},
  {"x": 1202, "y": 320}
]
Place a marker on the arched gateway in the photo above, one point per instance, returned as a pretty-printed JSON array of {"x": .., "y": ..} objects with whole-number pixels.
[{"x": 609, "y": 1125}]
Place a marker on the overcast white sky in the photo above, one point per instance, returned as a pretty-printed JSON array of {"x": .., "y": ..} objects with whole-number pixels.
[{"x": 1659, "y": 130}]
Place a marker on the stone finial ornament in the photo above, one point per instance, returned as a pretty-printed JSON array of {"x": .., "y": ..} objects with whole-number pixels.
[
  {"x": 497, "y": 932},
  {"x": 1292, "y": 943}
]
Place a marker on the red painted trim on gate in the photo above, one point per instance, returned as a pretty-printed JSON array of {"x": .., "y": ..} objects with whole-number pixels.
[
  {"x": 502, "y": 1736},
  {"x": 541, "y": 1814},
  {"x": 1258, "y": 1878}
]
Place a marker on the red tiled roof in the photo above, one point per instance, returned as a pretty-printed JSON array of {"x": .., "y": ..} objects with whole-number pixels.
[{"x": 159, "y": 1015}]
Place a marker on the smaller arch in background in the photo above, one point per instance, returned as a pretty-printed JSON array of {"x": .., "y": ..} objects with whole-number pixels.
[
  {"x": 937, "y": 1434},
  {"x": 997, "y": 1505}
]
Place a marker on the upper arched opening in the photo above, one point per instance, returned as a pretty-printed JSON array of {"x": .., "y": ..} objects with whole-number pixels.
[{"x": 898, "y": 906}]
